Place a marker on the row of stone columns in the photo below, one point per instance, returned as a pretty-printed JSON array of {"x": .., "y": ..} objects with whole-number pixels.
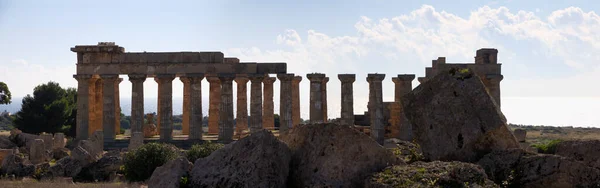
[{"x": 220, "y": 104}]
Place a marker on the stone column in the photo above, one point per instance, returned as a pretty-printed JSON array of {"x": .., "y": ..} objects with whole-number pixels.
[
  {"x": 137, "y": 101},
  {"x": 195, "y": 94},
  {"x": 347, "y": 103},
  {"x": 185, "y": 124},
  {"x": 324, "y": 98},
  {"x": 241, "y": 122},
  {"x": 214, "y": 100},
  {"x": 92, "y": 118},
  {"x": 376, "y": 107},
  {"x": 492, "y": 83},
  {"x": 82, "y": 119},
  {"x": 165, "y": 101},
  {"x": 285, "y": 102},
  {"x": 268, "y": 106},
  {"x": 256, "y": 107},
  {"x": 296, "y": 100},
  {"x": 402, "y": 85},
  {"x": 316, "y": 98},
  {"x": 226, "y": 114},
  {"x": 109, "y": 110},
  {"x": 117, "y": 107},
  {"x": 98, "y": 107}
]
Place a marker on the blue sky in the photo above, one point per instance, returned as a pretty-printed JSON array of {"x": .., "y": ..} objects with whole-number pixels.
[{"x": 548, "y": 48}]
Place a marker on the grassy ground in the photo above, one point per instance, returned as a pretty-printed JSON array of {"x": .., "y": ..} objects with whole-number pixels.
[{"x": 543, "y": 134}]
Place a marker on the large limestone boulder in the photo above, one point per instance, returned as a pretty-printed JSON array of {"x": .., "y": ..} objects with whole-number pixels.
[
  {"x": 587, "y": 152},
  {"x": 102, "y": 170},
  {"x": 258, "y": 160},
  {"x": 5, "y": 152},
  {"x": 455, "y": 119},
  {"x": 169, "y": 174},
  {"x": 59, "y": 153},
  {"x": 5, "y": 143},
  {"x": 67, "y": 167},
  {"x": 431, "y": 174},
  {"x": 22, "y": 139},
  {"x": 330, "y": 155},
  {"x": 17, "y": 165},
  {"x": 518, "y": 168},
  {"x": 37, "y": 152}
]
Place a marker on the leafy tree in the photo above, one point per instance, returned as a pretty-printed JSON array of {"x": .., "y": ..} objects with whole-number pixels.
[
  {"x": 51, "y": 109},
  {"x": 276, "y": 120},
  {"x": 4, "y": 94}
]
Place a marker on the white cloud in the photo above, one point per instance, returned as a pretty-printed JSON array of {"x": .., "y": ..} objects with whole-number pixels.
[{"x": 565, "y": 38}]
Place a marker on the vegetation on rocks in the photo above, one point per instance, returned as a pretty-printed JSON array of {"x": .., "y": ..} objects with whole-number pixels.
[
  {"x": 432, "y": 174},
  {"x": 202, "y": 150},
  {"x": 140, "y": 163},
  {"x": 548, "y": 147}
]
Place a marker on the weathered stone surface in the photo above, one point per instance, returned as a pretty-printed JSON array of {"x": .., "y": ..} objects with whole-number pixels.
[
  {"x": 520, "y": 135},
  {"x": 321, "y": 156},
  {"x": 59, "y": 140},
  {"x": 214, "y": 97},
  {"x": 258, "y": 160},
  {"x": 48, "y": 140},
  {"x": 587, "y": 151},
  {"x": 454, "y": 118},
  {"x": 97, "y": 143},
  {"x": 150, "y": 128},
  {"x": 5, "y": 152},
  {"x": 347, "y": 99},
  {"x": 101, "y": 170},
  {"x": 316, "y": 97},
  {"x": 38, "y": 152},
  {"x": 67, "y": 167},
  {"x": 521, "y": 169},
  {"x": 22, "y": 139},
  {"x": 256, "y": 108},
  {"x": 169, "y": 175},
  {"x": 136, "y": 140},
  {"x": 268, "y": 119},
  {"x": 431, "y": 174},
  {"x": 59, "y": 153},
  {"x": 5, "y": 143},
  {"x": 376, "y": 107},
  {"x": 82, "y": 155},
  {"x": 18, "y": 165}
]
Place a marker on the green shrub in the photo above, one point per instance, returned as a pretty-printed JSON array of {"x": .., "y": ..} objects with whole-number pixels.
[
  {"x": 548, "y": 147},
  {"x": 140, "y": 163},
  {"x": 200, "y": 151}
]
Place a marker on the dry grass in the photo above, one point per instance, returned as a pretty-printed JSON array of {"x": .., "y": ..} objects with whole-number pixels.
[
  {"x": 541, "y": 134},
  {"x": 27, "y": 183}
]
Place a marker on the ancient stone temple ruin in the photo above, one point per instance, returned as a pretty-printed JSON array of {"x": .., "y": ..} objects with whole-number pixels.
[{"x": 99, "y": 67}]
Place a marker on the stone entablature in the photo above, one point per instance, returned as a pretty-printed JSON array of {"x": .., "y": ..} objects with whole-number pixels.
[{"x": 112, "y": 59}]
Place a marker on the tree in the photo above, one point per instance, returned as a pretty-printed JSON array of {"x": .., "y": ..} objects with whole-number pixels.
[
  {"x": 4, "y": 94},
  {"x": 51, "y": 109}
]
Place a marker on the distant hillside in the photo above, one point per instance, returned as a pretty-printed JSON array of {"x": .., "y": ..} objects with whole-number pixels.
[{"x": 5, "y": 121}]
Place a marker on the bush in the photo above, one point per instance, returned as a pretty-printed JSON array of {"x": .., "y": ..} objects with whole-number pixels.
[
  {"x": 140, "y": 163},
  {"x": 200, "y": 151},
  {"x": 548, "y": 147}
]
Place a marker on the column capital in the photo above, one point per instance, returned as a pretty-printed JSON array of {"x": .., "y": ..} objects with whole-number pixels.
[
  {"x": 375, "y": 77},
  {"x": 315, "y": 77},
  {"x": 422, "y": 79},
  {"x": 119, "y": 80},
  {"x": 193, "y": 77},
  {"x": 164, "y": 78},
  {"x": 325, "y": 80},
  {"x": 82, "y": 77},
  {"x": 285, "y": 77},
  {"x": 241, "y": 79},
  {"x": 297, "y": 79},
  {"x": 109, "y": 77},
  {"x": 403, "y": 78},
  {"x": 269, "y": 80},
  {"x": 256, "y": 77},
  {"x": 137, "y": 77},
  {"x": 347, "y": 78},
  {"x": 212, "y": 78},
  {"x": 226, "y": 77}
]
